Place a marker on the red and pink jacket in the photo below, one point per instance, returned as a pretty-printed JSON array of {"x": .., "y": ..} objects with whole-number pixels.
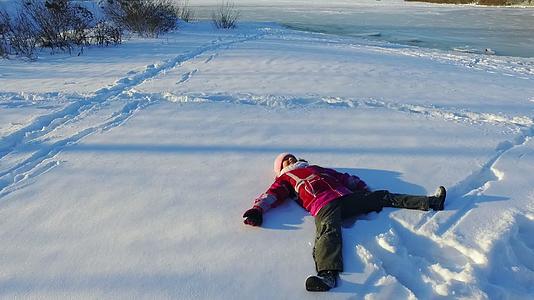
[{"x": 314, "y": 187}]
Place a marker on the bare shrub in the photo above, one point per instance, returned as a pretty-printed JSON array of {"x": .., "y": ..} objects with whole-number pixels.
[
  {"x": 5, "y": 29},
  {"x": 446, "y": 1},
  {"x": 479, "y": 2},
  {"x": 495, "y": 2},
  {"x": 82, "y": 20},
  {"x": 144, "y": 17},
  {"x": 3, "y": 50},
  {"x": 226, "y": 15},
  {"x": 106, "y": 33},
  {"x": 55, "y": 24},
  {"x": 61, "y": 24},
  {"x": 185, "y": 12},
  {"x": 23, "y": 37}
]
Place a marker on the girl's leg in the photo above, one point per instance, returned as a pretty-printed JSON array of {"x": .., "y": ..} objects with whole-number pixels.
[
  {"x": 405, "y": 201},
  {"x": 365, "y": 202},
  {"x": 327, "y": 252},
  {"x": 360, "y": 203},
  {"x": 435, "y": 202}
]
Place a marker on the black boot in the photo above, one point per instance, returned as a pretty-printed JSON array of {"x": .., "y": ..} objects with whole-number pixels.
[
  {"x": 323, "y": 282},
  {"x": 437, "y": 202}
]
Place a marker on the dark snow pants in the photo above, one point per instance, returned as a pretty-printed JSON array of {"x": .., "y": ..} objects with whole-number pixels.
[{"x": 327, "y": 252}]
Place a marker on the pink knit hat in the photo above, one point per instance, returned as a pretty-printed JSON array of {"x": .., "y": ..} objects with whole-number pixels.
[{"x": 278, "y": 162}]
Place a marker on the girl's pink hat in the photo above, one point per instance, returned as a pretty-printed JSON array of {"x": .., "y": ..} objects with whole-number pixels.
[{"x": 278, "y": 162}]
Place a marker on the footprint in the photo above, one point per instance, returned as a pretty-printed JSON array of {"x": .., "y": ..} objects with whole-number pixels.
[
  {"x": 210, "y": 58},
  {"x": 187, "y": 76},
  {"x": 522, "y": 243}
]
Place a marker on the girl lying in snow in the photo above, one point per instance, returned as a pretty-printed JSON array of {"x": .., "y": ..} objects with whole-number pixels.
[{"x": 330, "y": 196}]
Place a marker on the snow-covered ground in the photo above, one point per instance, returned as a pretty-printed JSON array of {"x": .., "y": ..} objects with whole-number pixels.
[{"x": 124, "y": 171}]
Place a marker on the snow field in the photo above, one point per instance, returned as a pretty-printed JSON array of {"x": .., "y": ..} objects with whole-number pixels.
[
  {"x": 162, "y": 198},
  {"x": 134, "y": 185}
]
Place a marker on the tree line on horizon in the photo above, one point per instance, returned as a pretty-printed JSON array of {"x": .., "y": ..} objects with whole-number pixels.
[{"x": 479, "y": 2}]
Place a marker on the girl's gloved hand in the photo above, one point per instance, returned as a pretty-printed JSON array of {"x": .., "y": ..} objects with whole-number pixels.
[{"x": 253, "y": 216}]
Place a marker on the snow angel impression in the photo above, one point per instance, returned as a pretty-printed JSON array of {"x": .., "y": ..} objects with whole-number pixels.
[{"x": 330, "y": 197}]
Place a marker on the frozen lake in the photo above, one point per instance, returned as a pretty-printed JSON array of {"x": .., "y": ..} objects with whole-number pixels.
[{"x": 506, "y": 31}]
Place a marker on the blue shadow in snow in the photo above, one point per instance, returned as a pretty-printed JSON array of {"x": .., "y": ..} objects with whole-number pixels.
[
  {"x": 390, "y": 180},
  {"x": 376, "y": 179}
]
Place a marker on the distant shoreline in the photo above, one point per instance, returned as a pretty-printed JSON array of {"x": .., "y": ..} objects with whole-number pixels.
[{"x": 507, "y": 3}]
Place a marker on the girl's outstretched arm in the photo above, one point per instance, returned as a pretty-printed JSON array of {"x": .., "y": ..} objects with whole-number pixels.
[{"x": 274, "y": 196}]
